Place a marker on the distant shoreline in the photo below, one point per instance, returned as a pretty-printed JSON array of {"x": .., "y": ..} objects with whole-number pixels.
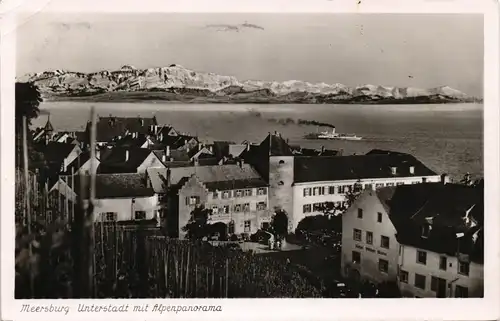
[{"x": 174, "y": 98}]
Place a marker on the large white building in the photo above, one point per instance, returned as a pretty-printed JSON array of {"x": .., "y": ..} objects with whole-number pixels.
[
  {"x": 426, "y": 237},
  {"x": 300, "y": 185}
]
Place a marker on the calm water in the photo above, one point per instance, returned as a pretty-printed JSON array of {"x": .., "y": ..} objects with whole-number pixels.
[{"x": 447, "y": 138}]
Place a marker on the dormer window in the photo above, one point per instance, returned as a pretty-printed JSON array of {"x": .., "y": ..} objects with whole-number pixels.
[
  {"x": 426, "y": 229},
  {"x": 412, "y": 169},
  {"x": 394, "y": 170}
]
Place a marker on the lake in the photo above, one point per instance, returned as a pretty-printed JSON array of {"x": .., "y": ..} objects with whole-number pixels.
[{"x": 448, "y": 138}]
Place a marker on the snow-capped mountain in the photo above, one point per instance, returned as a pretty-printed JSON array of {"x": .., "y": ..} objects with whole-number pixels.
[{"x": 182, "y": 84}]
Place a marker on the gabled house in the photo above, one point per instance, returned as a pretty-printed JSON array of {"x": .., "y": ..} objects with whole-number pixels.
[
  {"x": 119, "y": 197},
  {"x": 427, "y": 238},
  {"x": 134, "y": 140},
  {"x": 82, "y": 164},
  {"x": 235, "y": 194},
  {"x": 59, "y": 155},
  {"x": 129, "y": 160}
]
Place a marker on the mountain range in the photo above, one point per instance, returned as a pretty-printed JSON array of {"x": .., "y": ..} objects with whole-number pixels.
[{"x": 178, "y": 84}]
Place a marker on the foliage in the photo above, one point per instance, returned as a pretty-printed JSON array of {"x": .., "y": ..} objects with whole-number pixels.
[
  {"x": 279, "y": 224},
  {"x": 389, "y": 290},
  {"x": 28, "y": 99},
  {"x": 197, "y": 226}
]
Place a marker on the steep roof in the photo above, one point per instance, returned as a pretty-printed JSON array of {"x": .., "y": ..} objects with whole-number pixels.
[
  {"x": 216, "y": 177},
  {"x": 116, "y": 185},
  {"x": 276, "y": 145},
  {"x": 77, "y": 163},
  {"x": 56, "y": 152},
  {"x": 109, "y": 128},
  {"x": 317, "y": 169},
  {"x": 443, "y": 207},
  {"x": 129, "y": 141},
  {"x": 116, "y": 161},
  {"x": 48, "y": 125}
]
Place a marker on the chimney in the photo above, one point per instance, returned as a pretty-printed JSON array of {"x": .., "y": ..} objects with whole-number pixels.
[
  {"x": 200, "y": 146},
  {"x": 211, "y": 149},
  {"x": 445, "y": 179},
  {"x": 322, "y": 149},
  {"x": 142, "y": 121},
  {"x": 164, "y": 158},
  {"x": 161, "y": 137},
  {"x": 412, "y": 169},
  {"x": 168, "y": 177},
  {"x": 196, "y": 162},
  {"x": 167, "y": 151},
  {"x": 126, "y": 155},
  {"x": 248, "y": 146}
]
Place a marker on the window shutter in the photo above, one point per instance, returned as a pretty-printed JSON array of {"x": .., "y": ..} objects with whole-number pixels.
[{"x": 187, "y": 200}]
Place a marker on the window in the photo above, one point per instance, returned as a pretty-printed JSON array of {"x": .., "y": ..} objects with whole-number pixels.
[
  {"x": 435, "y": 281},
  {"x": 356, "y": 257},
  {"x": 420, "y": 281},
  {"x": 226, "y": 194},
  {"x": 400, "y": 183},
  {"x": 394, "y": 170},
  {"x": 192, "y": 200},
  {"x": 426, "y": 228},
  {"x": 383, "y": 265},
  {"x": 318, "y": 191},
  {"x": 281, "y": 162},
  {"x": 443, "y": 262},
  {"x": 340, "y": 189},
  {"x": 237, "y": 208},
  {"x": 226, "y": 209},
  {"x": 248, "y": 226},
  {"x": 356, "y": 234},
  {"x": 369, "y": 237},
  {"x": 261, "y": 206},
  {"x": 246, "y": 207},
  {"x": 424, "y": 180},
  {"x": 461, "y": 292},
  {"x": 140, "y": 215},
  {"x": 384, "y": 242},
  {"x": 421, "y": 257},
  {"x": 215, "y": 195},
  {"x": 261, "y": 191},
  {"x": 463, "y": 268},
  {"x": 368, "y": 186},
  {"x": 230, "y": 227},
  {"x": 221, "y": 210},
  {"x": 403, "y": 276},
  {"x": 379, "y": 217},
  {"x": 110, "y": 216},
  {"x": 331, "y": 189},
  {"x": 238, "y": 193},
  {"x": 360, "y": 213},
  {"x": 215, "y": 209},
  {"x": 307, "y": 192},
  {"x": 306, "y": 208},
  {"x": 390, "y": 184},
  {"x": 248, "y": 192},
  {"x": 317, "y": 207},
  {"x": 379, "y": 185}
]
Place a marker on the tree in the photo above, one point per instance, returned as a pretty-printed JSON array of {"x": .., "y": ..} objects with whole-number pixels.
[
  {"x": 197, "y": 226},
  {"x": 353, "y": 193},
  {"x": 28, "y": 99},
  {"x": 279, "y": 224}
]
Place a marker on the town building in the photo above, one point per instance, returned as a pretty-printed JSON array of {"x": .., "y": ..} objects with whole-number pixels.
[
  {"x": 236, "y": 196},
  {"x": 83, "y": 164},
  {"x": 128, "y": 160},
  {"x": 427, "y": 238},
  {"x": 118, "y": 197},
  {"x": 112, "y": 128},
  {"x": 301, "y": 185}
]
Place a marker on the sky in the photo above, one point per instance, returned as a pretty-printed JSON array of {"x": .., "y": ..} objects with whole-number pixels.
[{"x": 418, "y": 50}]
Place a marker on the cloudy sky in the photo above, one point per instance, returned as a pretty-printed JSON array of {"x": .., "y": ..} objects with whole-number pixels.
[{"x": 353, "y": 49}]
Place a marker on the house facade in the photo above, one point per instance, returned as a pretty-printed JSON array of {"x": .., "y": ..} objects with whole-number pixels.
[
  {"x": 425, "y": 273},
  {"x": 235, "y": 195},
  {"x": 369, "y": 244},
  {"x": 427, "y": 238}
]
